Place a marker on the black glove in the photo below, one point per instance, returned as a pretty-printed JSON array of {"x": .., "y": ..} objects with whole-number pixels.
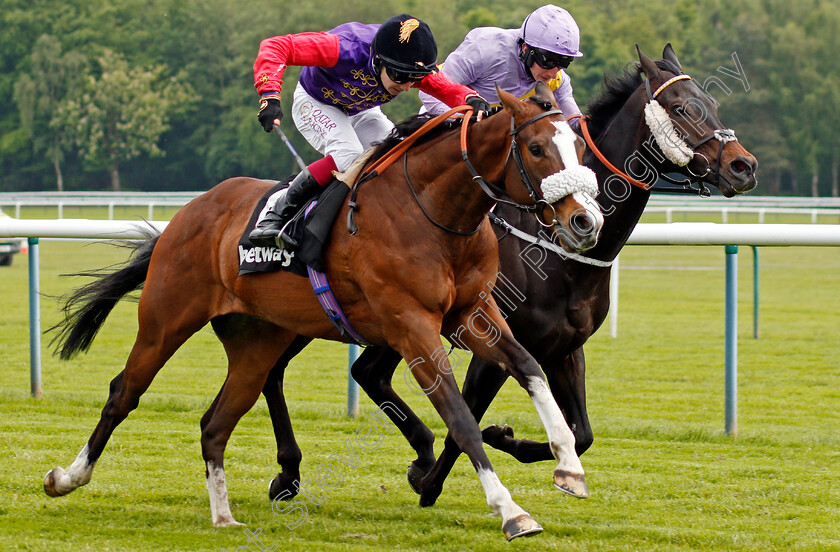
[
  {"x": 269, "y": 111},
  {"x": 478, "y": 104}
]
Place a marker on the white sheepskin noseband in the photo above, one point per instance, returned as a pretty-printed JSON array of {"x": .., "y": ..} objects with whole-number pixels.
[
  {"x": 568, "y": 181},
  {"x": 574, "y": 178},
  {"x": 662, "y": 128}
]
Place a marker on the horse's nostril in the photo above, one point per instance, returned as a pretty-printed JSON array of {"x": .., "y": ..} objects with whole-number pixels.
[
  {"x": 582, "y": 224},
  {"x": 742, "y": 166}
]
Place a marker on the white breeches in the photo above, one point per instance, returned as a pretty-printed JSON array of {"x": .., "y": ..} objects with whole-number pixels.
[{"x": 332, "y": 132}]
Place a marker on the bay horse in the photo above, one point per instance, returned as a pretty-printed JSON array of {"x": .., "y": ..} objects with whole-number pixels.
[
  {"x": 553, "y": 302},
  {"x": 401, "y": 281}
]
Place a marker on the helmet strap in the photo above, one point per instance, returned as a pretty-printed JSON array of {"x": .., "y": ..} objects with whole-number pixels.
[
  {"x": 377, "y": 69},
  {"x": 526, "y": 56}
]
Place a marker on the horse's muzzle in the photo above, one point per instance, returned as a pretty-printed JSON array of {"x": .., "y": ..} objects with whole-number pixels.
[{"x": 743, "y": 169}]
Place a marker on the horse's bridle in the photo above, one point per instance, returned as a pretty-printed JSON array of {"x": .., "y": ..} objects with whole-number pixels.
[
  {"x": 486, "y": 186},
  {"x": 491, "y": 190},
  {"x": 723, "y": 135}
]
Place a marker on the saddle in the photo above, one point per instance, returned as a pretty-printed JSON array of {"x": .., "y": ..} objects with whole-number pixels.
[{"x": 311, "y": 226}]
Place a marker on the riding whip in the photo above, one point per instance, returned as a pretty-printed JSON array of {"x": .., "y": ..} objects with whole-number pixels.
[{"x": 282, "y": 135}]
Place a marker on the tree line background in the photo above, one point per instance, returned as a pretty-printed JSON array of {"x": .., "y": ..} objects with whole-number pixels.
[{"x": 158, "y": 95}]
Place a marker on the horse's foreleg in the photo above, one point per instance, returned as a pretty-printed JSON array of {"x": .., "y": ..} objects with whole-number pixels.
[
  {"x": 373, "y": 371},
  {"x": 481, "y": 385},
  {"x": 429, "y": 364},
  {"x": 568, "y": 475},
  {"x": 566, "y": 379},
  {"x": 492, "y": 341}
]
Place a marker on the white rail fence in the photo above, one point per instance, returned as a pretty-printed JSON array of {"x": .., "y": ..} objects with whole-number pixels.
[
  {"x": 812, "y": 207},
  {"x": 705, "y": 233},
  {"x": 18, "y": 200}
]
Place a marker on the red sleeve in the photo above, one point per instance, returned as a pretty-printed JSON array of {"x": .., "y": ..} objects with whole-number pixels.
[
  {"x": 440, "y": 87},
  {"x": 310, "y": 49}
]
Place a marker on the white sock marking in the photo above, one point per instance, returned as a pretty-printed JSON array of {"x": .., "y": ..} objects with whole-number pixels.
[{"x": 560, "y": 437}]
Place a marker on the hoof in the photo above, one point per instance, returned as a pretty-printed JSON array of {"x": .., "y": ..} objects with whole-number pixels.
[
  {"x": 279, "y": 490},
  {"x": 415, "y": 475},
  {"x": 572, "y": 484},
  {"x": 227, "y": 522},
  {"x": 429, "y": 497},
  {"x": 521, "y": 526},
  {"x": 495, "y": 435},
  {"x": 50, "y": 480}
]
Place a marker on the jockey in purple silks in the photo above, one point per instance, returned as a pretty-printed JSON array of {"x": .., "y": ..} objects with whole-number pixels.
[
  {"x": 516, "y": 59},
  {"x": 348, "y": 73}
]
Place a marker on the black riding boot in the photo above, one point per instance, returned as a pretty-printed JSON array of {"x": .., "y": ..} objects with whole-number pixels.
[{"x": 269, "y": 230}]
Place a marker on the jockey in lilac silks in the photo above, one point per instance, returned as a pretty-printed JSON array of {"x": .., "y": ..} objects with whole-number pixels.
[
  {"x": 348, "y": 73},
  {"x": 515, "y": 59}
]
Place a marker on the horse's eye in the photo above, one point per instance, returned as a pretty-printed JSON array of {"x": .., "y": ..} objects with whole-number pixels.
[
  {"x": 536, "y": 150},
  {"x": 680, "y": 110}
]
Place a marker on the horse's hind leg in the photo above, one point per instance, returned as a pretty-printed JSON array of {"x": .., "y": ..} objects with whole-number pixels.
[
  {"x": 160, "y": 333},
  {"x": 373, "y": 371},
  {"x": 289, "y": 456},
  {"x": 288, "y": 453},
  {"x": 252, "y": 349}
]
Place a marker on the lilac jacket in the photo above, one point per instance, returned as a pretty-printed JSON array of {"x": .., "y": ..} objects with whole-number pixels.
[{"x": 488, "y": 55}]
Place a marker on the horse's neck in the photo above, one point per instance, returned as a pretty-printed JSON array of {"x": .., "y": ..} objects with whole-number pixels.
[
  {"x": 444, "y": 183},
  {"x": 621, "y": 210}
]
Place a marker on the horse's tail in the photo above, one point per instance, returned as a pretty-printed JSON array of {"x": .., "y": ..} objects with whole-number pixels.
[{"x": 86, "y": 308}]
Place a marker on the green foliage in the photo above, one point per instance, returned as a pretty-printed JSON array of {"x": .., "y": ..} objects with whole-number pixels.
[
  {"x": 122, "y": 113},
  {"x": 788, "y": 116},
  {"x": 53, "y": 77}
]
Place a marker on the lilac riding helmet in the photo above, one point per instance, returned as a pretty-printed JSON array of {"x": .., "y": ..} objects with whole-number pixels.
[{"x": 552, "y": 28}]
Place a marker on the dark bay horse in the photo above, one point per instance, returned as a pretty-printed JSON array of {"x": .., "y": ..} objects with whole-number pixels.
[
  {"x": 401, "y": 281},
  {"x": 554, "y": 303}
]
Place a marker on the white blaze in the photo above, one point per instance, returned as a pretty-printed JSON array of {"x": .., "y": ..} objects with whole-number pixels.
[{"x": 575, "y": 177}]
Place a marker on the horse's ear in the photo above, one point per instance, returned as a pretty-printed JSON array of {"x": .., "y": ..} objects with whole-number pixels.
[
  {"x": 648, "y": 66},
  {"x": 668, "y": 54},
  {"x": 543, "y": 91},
  {"x": 509, "y": 101}
]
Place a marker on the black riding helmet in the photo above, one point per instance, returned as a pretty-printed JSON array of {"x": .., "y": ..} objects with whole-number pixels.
[{"x": 405, "y": 45}]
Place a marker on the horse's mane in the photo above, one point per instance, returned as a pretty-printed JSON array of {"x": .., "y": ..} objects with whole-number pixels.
[
  {"x": 615, "y": 91},
  {"x": 407, "y": 127}
]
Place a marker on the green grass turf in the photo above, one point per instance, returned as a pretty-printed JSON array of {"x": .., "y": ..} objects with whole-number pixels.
[{"x": 662, "y": 473}]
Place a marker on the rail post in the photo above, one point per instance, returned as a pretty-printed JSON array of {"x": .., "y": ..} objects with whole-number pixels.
[
  {"x": 34, "y": 320},
  {"x": 755, "y": 292},
  {"x": 352, "y": 386},
  {"x": 731, "y": 342}
]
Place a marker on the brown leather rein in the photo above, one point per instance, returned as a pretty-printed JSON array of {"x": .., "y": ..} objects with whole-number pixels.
[
  {"x": 464, "y": 112},
  {"x": 590, "y": 143}
]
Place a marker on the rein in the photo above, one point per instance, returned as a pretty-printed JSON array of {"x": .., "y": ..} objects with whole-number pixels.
[
  {"x": 722, "y": 135},
  {"x": 514, "y": 152},
  {"x": 584, "y": 128},
  {"x": 388, "y": 159},
  {"x": 401, "y": 149}
]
